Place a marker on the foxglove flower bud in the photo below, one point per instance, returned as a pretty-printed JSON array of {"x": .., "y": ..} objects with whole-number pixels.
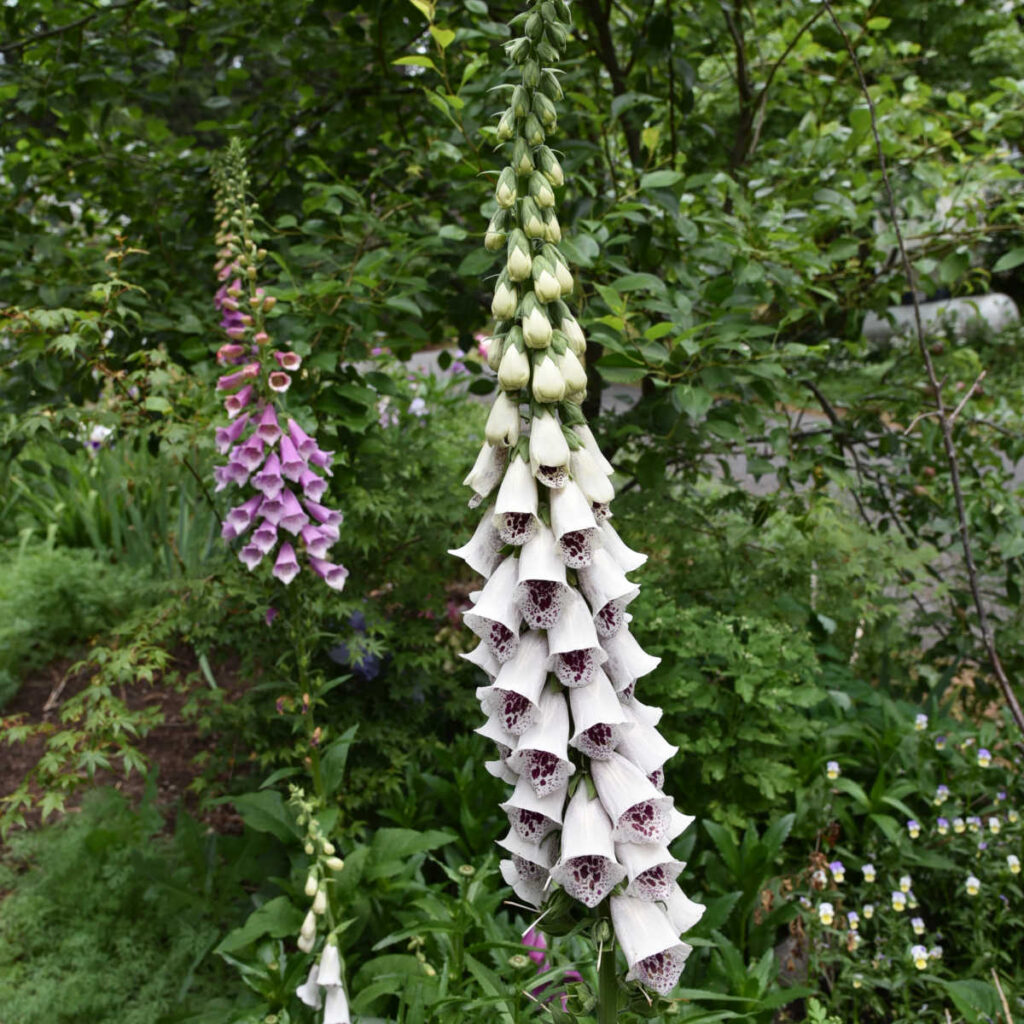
[
  {"x": 533, "y": 130},
  {"x": 545, "y": 283},
  {"x": 536, "y": 326},
  {"x": 505, "y": 193},
  {"x": 533, "y": 220},
  {"x": 550, "y": 167},
  {"x": 503, "y": 422},
  {"x": 514, "y": 369},
  {"x": 552, "y": 229},
  {"x": 572, "y": 372},
  {"x": 520, "y": 263},
  {"x": 495, "y": 348},
  {"x": 545, "y": 111},
  {"x": 540, "y": 190},
  {"x": 505, "y": 300},
  {"x": 506, "y": 126},
  {"x": 521, "y": 159},
  {"x": 494, "y": 238},
  {"x": 548, "y": 383},
  {"x": 520, "y": 102}
]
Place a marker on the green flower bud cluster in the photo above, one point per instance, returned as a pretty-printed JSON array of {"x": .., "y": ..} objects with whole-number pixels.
[
  {"x": 538, "y": 347},
  {"x": 325, "y": 864}
]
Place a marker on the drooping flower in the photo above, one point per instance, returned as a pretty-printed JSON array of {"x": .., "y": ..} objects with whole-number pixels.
[
  {"x": 941, "y": 795},
  {"x": 653, "y": 952}
]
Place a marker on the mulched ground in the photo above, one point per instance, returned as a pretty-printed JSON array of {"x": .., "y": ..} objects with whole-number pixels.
[{"x": 171, "y": 747}]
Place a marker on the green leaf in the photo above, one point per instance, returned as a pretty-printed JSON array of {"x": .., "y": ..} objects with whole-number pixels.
[
  {"x": 266, "y": 812},
  {"x": 976, "y": 1000},
  {"x": 853, "y": 789},
  {"x": 417, "y": 60},
  {"x": 333, "y": 758},
  {"x": 860, "y": 119},
  {"x": 660, "y": 179},
  {"x": 878, "y": 24},
  {"x": 442, "y": 36},
  {"x": 277, "y": 918},
  {"x": 693, "y": 401},
  {"x": 1009, "y": 260}
]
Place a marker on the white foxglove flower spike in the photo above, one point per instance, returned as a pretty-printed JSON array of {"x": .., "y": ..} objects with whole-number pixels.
[
  {"x": 309, "y": 991},
  {"x": 549, "y": 450},
  {"x": 515, "y": 510},
  {"x": 541, "y": 591},
  {"x": 607, "y": 592},
  {"x": 587, "y": 869},
  {"x": 541, "y": 756},
  {"x": 646, "y": 748},
  {"x": 574, "y": 526},
  {"x": 503, "y": 421},
  {"x": 330, "y": 966},
  {"x": 627, "y": 660},
  {"x": 495, "y": 618},
  {"x": 527, "y": 871},
  {"x": 592, "y": 481},
  {"x": 482, "y": 552},
  {"x": 639, "y": 812},
  {"x": 515, "y": 694},
  {"x": 574, "y": 650},
  {"x": 482, "y": 657},
  {"x": 652, "y": 871},
  {"x": 533, "y": 817},
  {"x": 600, "y": 721},
  {"x": 653, "y": 951},
  {"x": 683, "y": 912},
  {"x": 486, "y": 473},
  {"x": 649, "y": 714},
  {"x": 625, "y": 557},
  {"x": 548, "y": 382},
  {"x": 336, "y": 1006}
]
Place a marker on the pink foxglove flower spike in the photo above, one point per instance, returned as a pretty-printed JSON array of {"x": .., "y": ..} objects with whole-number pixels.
[{"x": 588, "y": 813}]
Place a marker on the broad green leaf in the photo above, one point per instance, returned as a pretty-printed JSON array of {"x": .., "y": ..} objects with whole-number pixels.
[{"x": 417, "y": 61}]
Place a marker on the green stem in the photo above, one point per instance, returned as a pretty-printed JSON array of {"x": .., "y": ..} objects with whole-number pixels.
[{"x": 607, "y": 980}]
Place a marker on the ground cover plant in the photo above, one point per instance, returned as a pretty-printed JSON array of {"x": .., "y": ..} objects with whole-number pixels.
[{"x": 701, "y": 202}]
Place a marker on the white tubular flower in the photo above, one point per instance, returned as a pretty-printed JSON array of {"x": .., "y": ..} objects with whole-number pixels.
[
  {"x": 678, "y": 823},
  {"x": 541, "y": 756},
  {"x": 683, "y": 913},
  {"x": 515, "y": 694},
  {"x": 309, "y": 991},
  {"x": 482, "y": 552},
  {"x": 505, "y": 301},
  {"x": 587, "y": 869},
  {"x": 481, "y": 657},
  {"x": 649, "y": 714},
  {"x": 607, "y": 591},
  {"x": 515, "y": 510},
  {"x": 503, "y": 421},
  {"x": 541, "y": 591},
  {"x": 583, "y": 432},
  {"x": 652, "y": 871},
  {"x": 486, "y": 473},
  {"x": 639, "y": 812},
  {"x": 624, "y": 556},
  {"x": 514, "y": 369},
  {"x": 592, "y": 481},
  {"x": 574, "y": 526},
  {"x": 598, "y": 717},
  {"x": 573, "y": 648},
  {"x": 495, "y": 618},
  {"x": 646, "y": 748},
  {"x": 549, "y": 451},
  {"x": 548, "y": 383},
  {"x": 533, "y": 817},
  {"x": 572, "y": 371},
  {"x": 336, "y": 1006},
  {"x": 536, "y": 328},
  {"x": 627, "y": 660},
  {"x": 527, "y": 871},
  {"x": 653, "y": 951},
  {"x": 494, "y": 731},
  {"x": 330, "y": 966}
]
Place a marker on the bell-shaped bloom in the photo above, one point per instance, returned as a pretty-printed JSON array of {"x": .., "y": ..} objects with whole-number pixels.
[
  {"x": 304, "y": 444},
  {"x": 652, "y": 871},
  {"x": 239, "y": 377},
  {"x": 288, "y": 360},
  {"x": 587, "y": 474},
  {"x": 533, "y": 817},
  {"x": 324, "y": 516},
  {"x": 541, "y": 756},
  {"x": 548, "y": 385},
  {"x": 599, "y": 719},
  {"x": 584, "y": 433},
  {"x": 514, "y": 696},
  {"x": 241, "y": 516},
  {"x": 541, "y": 590},
  {"x": 227, "y": 436},
  {"x": 649, "y": 714},
  {"x": 502, "y": 426},
  {"x": 486, "y": 473},
  {"x": 587, "y": 869},
  {"x": 268, "y": 428},
  {"x": 316, "y": 541},
  {"x": 268, "y": 480},
  {"x": 293, "y": 465},
  {"x": 250, "y": 454},
  {"x": 515, "y": 509},
  {"x": 572, "y": 372},
  {"x": 251, "y": 556},
  {"x": 607, "y": 592},
  {"x": 481, "y": 657},
  {"x": 678, "y": 823},
  {"x": 505, "y": 743},
  {"x": 293, "y": 517},
  {"x": 573, "y": 525},
  {"x": 573, "y": 647},
  {"x": 653, "y": 951},
  {"x": 496, "y": 617},
  {"x": 514, "y": 369},
  {"x": 549, "y": 451},
  {"x": 272, "y": 509},
  {"x": 333, "y": 575},
  {"x": 286, "y": 568},
  {"x": 482, "y": 552},
  {"x": 527, "y": 871},
  {"x": 313, "y": 486},
  {"x": 639, "y": 812},
  {"x": 309, "y": 991},
  {"x": 279, "y": 381},
  {"x": 322, "y": 460},
  {"x": 230, "y": 354},
  {"x": 683, "y": 913},
  {"x": 330, "y": 966},
  {"x": 265, "y": 538},
  {"x": 627, "y": 660},
  {"x": 646, "y": 748},
  {"x": 622, "y": 554},
  {"x": 336, "y": 1006},
  {"x": 235, "y": 403}
]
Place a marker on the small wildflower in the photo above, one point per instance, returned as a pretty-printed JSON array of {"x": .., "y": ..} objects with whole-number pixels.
[
  {"x": 805, "y": 903},
  {"x": 917, "y": 924},
  {"x": 819, "y": 879},
  {"x": 982, "y": 847},
  {"x": 974, "y": 823},
  {"x": 1012, "y": 817},
  {"x": 869, "y": 911},
  {"x": 854, "y": 919},
  {"x": 1001, "y": 795},
  {"x": 993, "y": 826},
  {"x": 914, "y": 828},
  {"x": 973, "y": 885},
  {"x": 906, "y": 883},
  {"x": 942, "y": 826},
  {"x": 935, "y": 953},
  {"x": 959, "y": 826},
  {"x": 869, "y": 872},
  {"x": 853, "y": 941},
  {"x": 826, "y": 913},
  {"x": 838, "y": 871},
  {"x": 1013, "y": 863},
  {"x": 518, "y": 961},
  {"x": 940, "y": 742},
  {"x": 984, "y": 758},
  {"x": 858, "y": 981},
  {"x": 920, "y": 957},
  {"x": 832, "y": 770},
  {"x": 941, "y": 795},
  {"x": 911, "y": 901},
  {"x": 899, "y": 901},
  {"x": 920, "y": 723}
]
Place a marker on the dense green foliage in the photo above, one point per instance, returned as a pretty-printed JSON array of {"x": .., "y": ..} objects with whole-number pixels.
[{"x": 806, "y": 588}]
